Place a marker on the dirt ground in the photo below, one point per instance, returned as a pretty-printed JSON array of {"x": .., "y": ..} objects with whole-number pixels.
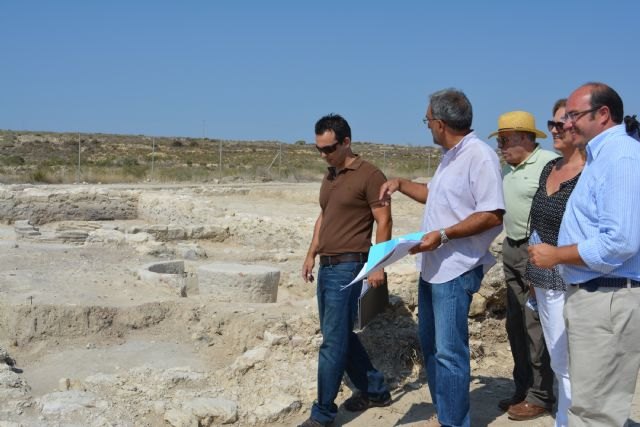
[{"x": 78, "y": 319}]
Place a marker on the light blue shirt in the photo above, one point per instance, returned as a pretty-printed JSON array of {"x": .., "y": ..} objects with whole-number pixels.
[
  {"x": 603, "y": 212},
  {"x": 467, "y": 181}
]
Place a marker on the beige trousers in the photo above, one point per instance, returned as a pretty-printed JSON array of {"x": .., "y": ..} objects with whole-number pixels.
[{"x": 603, "y": 328}]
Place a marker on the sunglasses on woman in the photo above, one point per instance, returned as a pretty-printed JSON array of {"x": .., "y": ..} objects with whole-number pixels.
[{"x": 559, "y": 126}]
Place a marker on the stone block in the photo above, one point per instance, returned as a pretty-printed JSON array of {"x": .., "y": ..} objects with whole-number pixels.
[{"x": 227, "y": 282}]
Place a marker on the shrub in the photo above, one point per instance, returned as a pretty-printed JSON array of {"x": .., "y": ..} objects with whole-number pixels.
[
  {"x": 42, "y": 175},
  {"x": 13, "y": 160},
  {"x": 137, "y": 171}
]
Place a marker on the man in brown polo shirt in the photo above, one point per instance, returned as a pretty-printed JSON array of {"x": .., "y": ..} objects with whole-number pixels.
[{"x": 342, "y": 237}]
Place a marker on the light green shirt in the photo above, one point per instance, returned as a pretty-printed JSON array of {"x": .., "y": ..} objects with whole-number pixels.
[{"x": 520, "y": 184}]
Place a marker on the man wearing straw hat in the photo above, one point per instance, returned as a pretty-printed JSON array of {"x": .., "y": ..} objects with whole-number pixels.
[{"x": 532, "y": 374}]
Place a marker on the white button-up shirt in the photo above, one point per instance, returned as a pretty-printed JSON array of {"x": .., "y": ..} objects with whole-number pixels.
[{"x": 468, "y": 180}]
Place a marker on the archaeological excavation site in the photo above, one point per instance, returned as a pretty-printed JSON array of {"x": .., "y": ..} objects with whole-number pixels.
[{"x": 162, "y": 305}]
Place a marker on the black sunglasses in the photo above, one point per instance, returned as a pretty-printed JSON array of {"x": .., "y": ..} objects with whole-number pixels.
[
  {"x": 558, "y": 125},
  {"x": 329, "y": 148}
]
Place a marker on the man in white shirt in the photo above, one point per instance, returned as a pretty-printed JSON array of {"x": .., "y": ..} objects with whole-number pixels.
[{"x": 463, "y": 215}]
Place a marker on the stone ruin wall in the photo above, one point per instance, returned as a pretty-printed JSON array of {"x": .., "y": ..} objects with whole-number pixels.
[{"x": 83, "y": 204}]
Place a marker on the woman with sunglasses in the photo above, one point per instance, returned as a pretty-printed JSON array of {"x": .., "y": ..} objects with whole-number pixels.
[{"x": 557, "y": 181}]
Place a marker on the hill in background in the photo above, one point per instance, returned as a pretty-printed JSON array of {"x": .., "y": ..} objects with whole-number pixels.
[{"x": 48, "y": 157}]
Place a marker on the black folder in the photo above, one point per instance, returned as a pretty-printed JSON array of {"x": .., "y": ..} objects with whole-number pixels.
[{"x": 371, "y": 303}]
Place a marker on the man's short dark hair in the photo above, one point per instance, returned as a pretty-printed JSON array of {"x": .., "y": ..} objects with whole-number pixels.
[
  {"x": 604, "y": 96},
  {"x": 335, "y": 123},
  {"x": 452, "y": 107}
]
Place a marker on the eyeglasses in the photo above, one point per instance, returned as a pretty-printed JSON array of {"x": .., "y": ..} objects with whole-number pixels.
[
  {"x": 503, "y": 140},
  {"x": 329, "y": 148},
  {"x": 427, "y": 120},
  {"x": 574, "y": 116},
  {"x": 559, "y": 126}
]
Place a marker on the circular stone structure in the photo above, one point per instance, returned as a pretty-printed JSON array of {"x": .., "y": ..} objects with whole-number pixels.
[
  {"x": 228, "y": 282},
  {"x": 169, "y": 274}
]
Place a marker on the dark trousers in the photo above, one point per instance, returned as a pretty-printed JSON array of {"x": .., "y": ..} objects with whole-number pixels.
[{"x": 532, "y": 372}]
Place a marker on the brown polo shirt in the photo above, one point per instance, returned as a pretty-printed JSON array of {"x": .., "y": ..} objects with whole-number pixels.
[{"x": 346, "y": 199}]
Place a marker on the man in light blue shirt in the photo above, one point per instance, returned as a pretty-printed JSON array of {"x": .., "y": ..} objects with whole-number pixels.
[{"x": 599, "y": 252}]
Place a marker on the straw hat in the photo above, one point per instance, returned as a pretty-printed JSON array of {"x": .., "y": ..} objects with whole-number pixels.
[{"x": 518, "y": 121}]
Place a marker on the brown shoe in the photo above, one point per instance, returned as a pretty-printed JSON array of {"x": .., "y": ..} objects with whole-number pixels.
[
  {"x": 359, "y": 402},
  {"x": 525, "y": 411},
  {"x": 504, "y": 404}
]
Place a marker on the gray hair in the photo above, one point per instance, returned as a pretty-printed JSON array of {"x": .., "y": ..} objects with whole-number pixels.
[{"x": 452, "y": 107}]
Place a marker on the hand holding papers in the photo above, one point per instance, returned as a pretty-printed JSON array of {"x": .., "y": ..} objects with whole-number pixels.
[{"x": 386, "y": 253}]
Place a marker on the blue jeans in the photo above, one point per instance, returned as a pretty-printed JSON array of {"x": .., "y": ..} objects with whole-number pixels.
[
  {"x": 444, "y": 337},
  {"x": 341, "y": 350}
]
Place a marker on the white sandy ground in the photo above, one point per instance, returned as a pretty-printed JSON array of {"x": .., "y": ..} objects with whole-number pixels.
[{"x": 69, "y": 290}]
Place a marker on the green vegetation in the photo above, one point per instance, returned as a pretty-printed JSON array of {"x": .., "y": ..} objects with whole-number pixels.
[
  {"x": 12, "y": 160},
  {"x": 47, "y": 157}
]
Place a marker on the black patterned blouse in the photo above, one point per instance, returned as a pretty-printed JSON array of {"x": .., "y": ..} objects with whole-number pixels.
[{"x": 545, "y": 218}]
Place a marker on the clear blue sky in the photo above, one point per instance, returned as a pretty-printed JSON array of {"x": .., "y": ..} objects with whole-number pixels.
[{"x": 270, "y": 69}]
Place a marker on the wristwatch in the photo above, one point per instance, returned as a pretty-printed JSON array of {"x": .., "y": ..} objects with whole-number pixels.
[{"x": 443, "y": 237}]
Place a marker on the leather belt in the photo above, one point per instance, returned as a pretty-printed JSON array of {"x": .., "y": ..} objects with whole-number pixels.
[
  {"x": 608, "y": 282},
  {"x": 517, "y": 242},
  {"x": 360, "y": 257}
]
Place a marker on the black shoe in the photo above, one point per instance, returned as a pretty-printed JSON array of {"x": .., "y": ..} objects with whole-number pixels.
[
  {"x": 310, "y": 422},
  {"x": 504, "y": 404},
  {"x": 358, "y": 402}
]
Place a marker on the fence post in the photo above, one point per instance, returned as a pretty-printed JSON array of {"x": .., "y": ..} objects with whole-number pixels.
[
  {"x": 78, "y": 169},
  {"x": 384, "y": 161},
  {"x": 220, "y": 158},
  {"x": 153, "y": 154},
  {"x": 280, "y": 162}
]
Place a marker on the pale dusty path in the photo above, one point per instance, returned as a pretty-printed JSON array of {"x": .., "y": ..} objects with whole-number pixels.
[{"x": 411, "y": 407}]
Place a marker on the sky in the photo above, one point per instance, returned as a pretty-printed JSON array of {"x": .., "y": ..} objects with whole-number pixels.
[{"x": 267, "y": 70}]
